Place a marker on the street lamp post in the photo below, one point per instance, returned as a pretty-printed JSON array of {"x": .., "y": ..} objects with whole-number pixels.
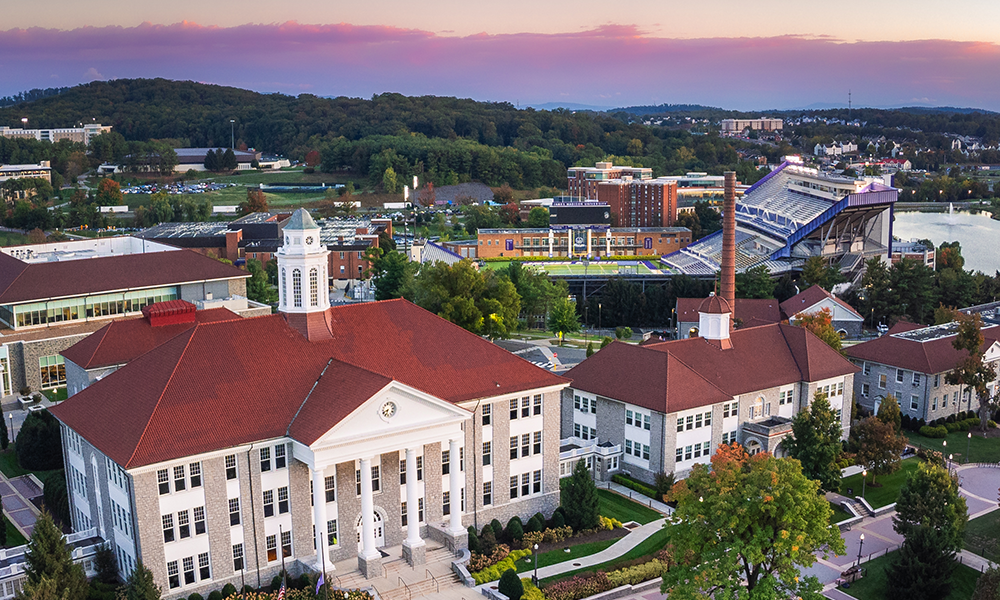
[
  {"x": 864, "y": 480},
  {"x": 534, "y": 578},
  {"x": 598, "y": 318},
  {"x": 968, "y": 448},
  {"x": 232, "y": 133},
  {"x": 951, "y": 460},
  {"x": 11, "y": 417},
  {"x": 860, "y": 546}
]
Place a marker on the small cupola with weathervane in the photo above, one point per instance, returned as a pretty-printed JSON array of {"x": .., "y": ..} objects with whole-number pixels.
[{"x": 714, "y": 317}]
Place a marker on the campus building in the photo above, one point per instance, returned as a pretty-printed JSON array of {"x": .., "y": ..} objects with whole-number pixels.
[
  {"x": 582, "y": 241},
  {"x": 747, "y": 312},
  {"x": 843, "y": 318},
  {"x": 82, "y": 134},
  {"x": 634, "y": 197},
  {"x": 911, "y": 363},
  {"x": 53, "y": 295},
  {"x": 193, "y": 159},
  {"x": 40, "y": 171},
  {"x": 735, "y": 126},
  {"x": 373, "y": 427}
]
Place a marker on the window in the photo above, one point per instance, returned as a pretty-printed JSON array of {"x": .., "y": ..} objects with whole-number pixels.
[
  {"x": 687, "y": 452},
  {"x": 188, "y": 570},
  {"x": 487, "y": 493},
  {"x": 525, "y": 484},
  {"x": 536, "y": 405},
  {"x": 330, "y": 487},
  {"x": 525, "y": 407},
  {"x": 231, "y": 466},
  {"x": 867, "y": 369},
  {"x": 679, "y": 454},
  {"x": 178, "y": 478},
  {"x": 697, "y": 420},
  {"x": 420, "y": 468},
  {"x": 757, "y": 408},
  {"x": 234, "y": 511},
  {"x": 313, "y": 287},
  {"x": 513, "y": 487},
  {"x": 446, "y": 460},
  {"x": 173, "y": 575},
  {"x": 628, "y": 417},
  {"x": 513, "y": 447},
  {"x": 689, "y": 422},
  {"x": 934, "y": 405},
  {"x": 708, "y": 419},
  {"x": 628, "y": 446},
  {"x": 402, "y": 513},
  {"x": 513, "y": 409},
  {"x": 265, "y": 459},
  {"x": 376, "y": 484},
  {"x": 487, "y": 414},
  {"x": 286, "y": 544},
  {"x": 184, "y": 524},
  {"x": 199, "y": 520},
  {"x": 282, "y": 500},
  {"x": 865, "y": 389},
  {"x": 525, "y": 444},
  {"x": 576, "y": 402},
  {"x": 537, "y": 445},
  {"x": 593, "y": 406},
  {"x": 446, "y": 503},
  {"x": 487, "y": 453},
  {"x": 916, "y": 378},
  {"x": 536, "y": 482},
  {"x": 954, "y": 399},
  {"x": 899, "y": 375},
  {"x": 53, "y": 371},
  {"x": 937, "y": 380},
  {"x": 646, "y": 423},
  {"x": 163, "y": 480},
  {"x": 402, "y": 472},
  {"x": 237, "y": 557},
  {"x": 284, "y": 289},
  {"x": 168, "y": 528},
  {"x": 297, "y": 288},
  {"x": 913, "y": 402},
  {"x": 203, "y": 570},
  {"x": 840, "y": 388},
  {"x": 279, "y": 457},
  {"x": 331, "y": 533},
  {"x": 272, "y": 548},
  {"x": 645, "y": 452},
  {"x": 705, "y": 447},
  {"x": 194, "y": 469},
  {"x": 268, "y": 503},
  {"x": 881, "y": 381}
]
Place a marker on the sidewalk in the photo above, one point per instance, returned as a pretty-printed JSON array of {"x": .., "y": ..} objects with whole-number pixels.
[
  {"x": 630, "y": 541},
  {"x": 656, "y": 505}
]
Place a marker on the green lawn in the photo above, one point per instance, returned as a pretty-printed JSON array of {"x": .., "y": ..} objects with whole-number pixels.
[
  {"x": 873, "y": 585},
  {"x": 10, "y": 468},
  {"x": 839, "y": 514},
  {"x": 615, "y": 506},
  {"x": 9, "y": 238},
  {"x": 979, "y": 449},
  {"x": 982, "y": 536},
  {"x": 648, "y": 547},
  {"x": 14, "y": 537},
  {"x": 55, "y": 395},
  {"x": 890, "y": 484},
  {"x": 559, "y": 555}
]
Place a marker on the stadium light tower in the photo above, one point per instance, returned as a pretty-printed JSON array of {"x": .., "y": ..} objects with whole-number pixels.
[{"x": 232, "y": 133}]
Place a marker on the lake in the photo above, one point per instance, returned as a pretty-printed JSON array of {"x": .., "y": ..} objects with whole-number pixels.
[{"x": 978, "y": 234}]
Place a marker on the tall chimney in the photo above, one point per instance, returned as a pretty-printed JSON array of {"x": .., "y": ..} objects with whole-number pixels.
[{"x": 728, "y": 287}]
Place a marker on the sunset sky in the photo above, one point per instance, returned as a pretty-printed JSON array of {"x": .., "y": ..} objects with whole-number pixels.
[{"x": 729, "y": 53}]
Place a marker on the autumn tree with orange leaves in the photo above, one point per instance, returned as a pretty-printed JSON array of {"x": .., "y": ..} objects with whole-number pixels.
[
  {"x": 747, "y": 525},
  {"x": 821, "y": 324}
]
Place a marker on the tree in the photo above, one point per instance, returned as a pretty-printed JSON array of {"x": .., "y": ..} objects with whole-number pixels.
[
  {"x": 389, "y": 181},
  {"x": 923, "y": 568},
  {"x": 109, "y": 193},
  {"x": 972, "y": 370},
  {"x": 36, "y": 236},
  {"x": 259, "y": 289},
  {"x": 949, "y": 256},
  {"x": 536, "y": 290},
  {"x": 930, "y": 498},
  {"x": 256, "y": 202},
  {"x": 3, "y": 530},
  {"x": 821, "y": 324},
  {"x": 211, "y": 161},
  {"x": 510, "y": 585},
  {"x": 227, "y": 161},
  {"x": 815, "y": 442},
  {"x": 312, "y": 158},
  {"x": 504, "y": 195},
  {"x": 988, "y": 585},
  {"x": 912, "y": 290},
  {"x": 391, "y": 273},
  {"x": 755, "y": 283},
  {"x": 4, "y": 436},
  {"x": 510, "y": 214},
  {"x": 538, "y": 218},
  {"x": 48, "y": 559},
  {"x": 482, "y": 302},
  {"x": 579, "y": 499},
  {"x": 140, "y": 584},
  {"x": 745, "y": 526},
  {"x": 56, "y": 496},
  {"x": 105, "y": 565},
  {"x": 39, "y": 444},
  {"x": 480, "y": 217},
  {"x": 879, "y": 447},
  {"x": 888, "y": 412},
  {"x": 590, "y": 349},
  {"x": 562, "y": 318}
]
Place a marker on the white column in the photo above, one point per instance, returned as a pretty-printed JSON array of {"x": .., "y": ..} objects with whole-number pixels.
[
  {"x": 607, "y": 242},
  {"x": 368, "y": 550},
  {"x": 588, "y": 242},
  {"x": 455, "y": 488},
  {"x": 319, "y": 515},
  {"x": 550, "y": 243},
  {"x": 412, "y": 501}
]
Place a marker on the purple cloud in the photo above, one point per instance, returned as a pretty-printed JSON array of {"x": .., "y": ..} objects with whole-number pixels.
[{"x": 610, "y": 65}]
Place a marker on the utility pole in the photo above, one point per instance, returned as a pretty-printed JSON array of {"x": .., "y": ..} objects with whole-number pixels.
[{"x": 232, "y": 134}]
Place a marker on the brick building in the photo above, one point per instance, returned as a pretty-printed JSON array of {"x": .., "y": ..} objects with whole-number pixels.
[
  {"x": 209, "y": 468},
  {"x": 592, "y": 241},
  {"x": 635, "y": 198}
]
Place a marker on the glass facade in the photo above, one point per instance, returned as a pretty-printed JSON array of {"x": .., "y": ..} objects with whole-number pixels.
[
  {"x": 53, "y": 371},
  {"x": 73, "y": 309}
]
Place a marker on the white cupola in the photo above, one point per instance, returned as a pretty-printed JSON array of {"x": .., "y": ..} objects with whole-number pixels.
[
  {"x": 714, "y": 317},
  {"x": 302, "y": 267}
]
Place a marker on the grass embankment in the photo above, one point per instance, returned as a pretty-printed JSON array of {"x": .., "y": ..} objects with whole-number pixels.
[
  {"x": 616, "y": 506},
  {"x": 647, "y": 547},
  {"x": 982, "y": 536},
  {"x": 887, "y": 489},
  {"x": 559, "y": 555},
  {"x": 839, "y": 514},
  {"x": 10, "y": 467}
]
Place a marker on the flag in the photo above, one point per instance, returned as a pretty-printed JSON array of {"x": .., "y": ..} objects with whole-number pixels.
[
  {"x": 319, "y": 584},
  {"x": 281, "y": 592}
]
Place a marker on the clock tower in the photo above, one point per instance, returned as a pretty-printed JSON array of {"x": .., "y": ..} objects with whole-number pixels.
[{"x": 303, "y": 281}]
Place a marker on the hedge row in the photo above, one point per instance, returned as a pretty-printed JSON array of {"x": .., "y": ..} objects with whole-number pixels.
[
  {"x": 493, "y": 573},
  {"x": 584, "y": 586},
  {"x": 635, "y": 486}
]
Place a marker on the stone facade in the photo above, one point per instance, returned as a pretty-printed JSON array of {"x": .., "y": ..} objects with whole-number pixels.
[{"x": 928, "y": 397}]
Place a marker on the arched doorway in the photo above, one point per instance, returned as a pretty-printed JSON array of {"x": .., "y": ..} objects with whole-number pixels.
[
  {"x": 379, "y": 531},
  {"x": 754, "y": 447}
]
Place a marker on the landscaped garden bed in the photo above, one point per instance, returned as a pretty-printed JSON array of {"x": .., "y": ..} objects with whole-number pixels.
[{"x": 885, "y": 490}]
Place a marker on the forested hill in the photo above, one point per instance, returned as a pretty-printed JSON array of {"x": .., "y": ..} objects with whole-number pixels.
[{"x": 497, "y": 142}]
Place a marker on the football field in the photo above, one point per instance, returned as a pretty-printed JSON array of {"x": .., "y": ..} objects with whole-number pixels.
[{"x": 596, "y": 268}]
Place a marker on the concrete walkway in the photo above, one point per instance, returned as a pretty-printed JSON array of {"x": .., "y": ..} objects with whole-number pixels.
[
  {"x": 634, "y": 496},
  {"x": 616, "y": 550}
]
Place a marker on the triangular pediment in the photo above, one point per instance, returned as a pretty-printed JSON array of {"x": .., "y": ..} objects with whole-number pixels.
[
  {"x": 992, "y": 353},
  {"x": 393, "y": 410}
]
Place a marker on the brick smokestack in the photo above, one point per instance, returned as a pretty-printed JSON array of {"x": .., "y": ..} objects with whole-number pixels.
[{"x": 728, "y": 284}]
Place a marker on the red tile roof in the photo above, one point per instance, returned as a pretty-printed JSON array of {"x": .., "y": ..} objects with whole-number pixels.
[
  {"x": 204, "y": 389},
  {"x": 934, "y": 356},
  {"x": 695, "y": 372},
  {"x": 758, "y": 311},
  {"x": 715, "y": 305},
  {"x": 809, "y": 298},
  {"x": 23, "y": 282}
]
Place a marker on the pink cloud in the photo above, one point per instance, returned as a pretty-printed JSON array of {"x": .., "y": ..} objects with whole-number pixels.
[{"x": 622, "y": 62}]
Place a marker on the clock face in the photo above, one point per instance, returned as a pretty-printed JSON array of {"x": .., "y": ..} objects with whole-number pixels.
[
  {"x": 309, "y": 241},
  {"x": 388, "y": 410}
]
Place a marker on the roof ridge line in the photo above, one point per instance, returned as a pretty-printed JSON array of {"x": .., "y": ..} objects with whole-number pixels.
[
  {"x": 702, "y": 377},
  {"x": 162, "y": 393},
  {"x": 309, "y": 395},
  {"x": 795, "y": 359},
  {"x": 21, "y": 272},
  {"x": 107, "y": 330}
]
